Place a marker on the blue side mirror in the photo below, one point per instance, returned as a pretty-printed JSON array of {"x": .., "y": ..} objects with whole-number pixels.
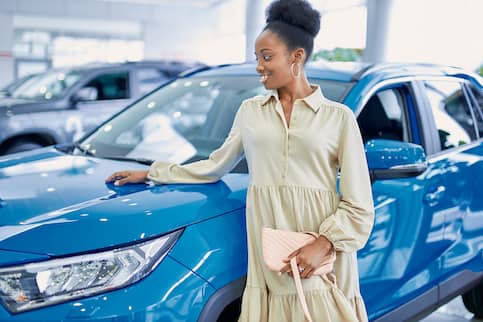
[{"x": 388, "y": 159}]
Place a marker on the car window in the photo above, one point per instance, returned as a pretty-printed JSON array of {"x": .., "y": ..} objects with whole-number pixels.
[
  {"x": 476, "y": 97},
  {"x": 111, "y": 86},
  {"x": 149, "y": 78},
  {"x": 451, "y": 113},
  {"x": 384, "y": 117}
]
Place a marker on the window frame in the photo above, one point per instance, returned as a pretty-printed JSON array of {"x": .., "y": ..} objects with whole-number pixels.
[
  {"x": 411, "y": 105},
  {"x": 436, "y": 150}
]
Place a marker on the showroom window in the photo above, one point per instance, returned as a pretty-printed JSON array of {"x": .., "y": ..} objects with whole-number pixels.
[
  {"x": 451, "y": 112},
  {"x": 384, "y": 117},
  {"x": 111, "y": 86}
]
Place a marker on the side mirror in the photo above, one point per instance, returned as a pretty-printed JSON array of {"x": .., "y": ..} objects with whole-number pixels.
[
  {"x": 388, "y": 159},
  {"x": 85, "y": 94}
]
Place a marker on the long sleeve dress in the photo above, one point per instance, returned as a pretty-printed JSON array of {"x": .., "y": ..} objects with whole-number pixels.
[{"x": 292, "y": 186}]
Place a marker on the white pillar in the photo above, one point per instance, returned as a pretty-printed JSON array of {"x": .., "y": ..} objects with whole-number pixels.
[
  {"x": 255, "y": 21},
  {"x": 378, "y": 18},
  {"x": 7, "y": 64}
]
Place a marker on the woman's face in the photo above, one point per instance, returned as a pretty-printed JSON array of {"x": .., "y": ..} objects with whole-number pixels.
[{"x": 273, "y": 60}]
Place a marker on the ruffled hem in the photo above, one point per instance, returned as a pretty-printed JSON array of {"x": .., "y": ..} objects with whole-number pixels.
[
  {"x": 329, "y": 305},
  {"x": 359, "y": 308}
]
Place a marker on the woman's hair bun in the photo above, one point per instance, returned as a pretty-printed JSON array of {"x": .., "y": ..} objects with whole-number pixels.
[{"x": 297, "y": 13}]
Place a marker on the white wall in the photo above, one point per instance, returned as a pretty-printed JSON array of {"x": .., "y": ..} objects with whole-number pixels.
[
  {"x": 437, "y": 31},
  {"x": 6, "y": 42}
]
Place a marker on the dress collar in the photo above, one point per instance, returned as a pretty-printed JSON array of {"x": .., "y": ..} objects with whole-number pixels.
[{"x": 314, "y": 100}]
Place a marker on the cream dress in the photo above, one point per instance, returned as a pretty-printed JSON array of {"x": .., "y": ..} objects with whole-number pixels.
[{"x": 292, "y": 186}]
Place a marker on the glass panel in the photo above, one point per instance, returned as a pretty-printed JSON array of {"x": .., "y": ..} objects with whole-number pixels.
[
  {"x": 47, "y": 85},
  {"x": 451, "y": 113},
  {"x": 383, "y": 117},
  {"x": 111, "y": 86},
  {"x": 477, "y": 99}
]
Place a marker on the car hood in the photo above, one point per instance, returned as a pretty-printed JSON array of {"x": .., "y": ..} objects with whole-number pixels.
[
  {"x": 21, "y": 106},
  {"x": 52, "y": 203}
]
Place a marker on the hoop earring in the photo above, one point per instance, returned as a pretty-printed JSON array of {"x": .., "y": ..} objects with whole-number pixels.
[{"x": 293, "y": 72}]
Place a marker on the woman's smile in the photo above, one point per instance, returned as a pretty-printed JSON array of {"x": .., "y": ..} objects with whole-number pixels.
[{"x": 263, "y": 78}]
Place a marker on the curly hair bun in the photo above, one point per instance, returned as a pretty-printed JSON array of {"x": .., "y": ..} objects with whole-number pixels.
[{"x": 296, "y": 13}]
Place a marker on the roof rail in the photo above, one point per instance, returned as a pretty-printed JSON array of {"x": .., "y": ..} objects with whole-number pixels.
[
  {"x": 381, "y": 66},
  {"x": 193, "y": 70},
  {"x": 201, "y": 68}
]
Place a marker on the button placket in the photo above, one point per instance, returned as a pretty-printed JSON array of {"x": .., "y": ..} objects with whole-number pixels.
[{"x": 288, "y": 135}]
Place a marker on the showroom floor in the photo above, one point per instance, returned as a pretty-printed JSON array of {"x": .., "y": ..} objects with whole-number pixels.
[{"x": 454, "y": 311}]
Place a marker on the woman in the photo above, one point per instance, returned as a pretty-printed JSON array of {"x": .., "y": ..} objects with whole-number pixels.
[{"x": 295, "y": 141}]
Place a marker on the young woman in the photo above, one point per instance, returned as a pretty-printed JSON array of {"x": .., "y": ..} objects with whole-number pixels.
[{"x": 295, "y": 141}]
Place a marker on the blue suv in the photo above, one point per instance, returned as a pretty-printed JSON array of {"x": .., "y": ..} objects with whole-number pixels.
[{"x": 74, "y": 247}]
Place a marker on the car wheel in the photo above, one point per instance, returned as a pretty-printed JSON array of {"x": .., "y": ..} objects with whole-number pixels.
[
  {"x": 22, "y": 146},
  {"x": 473, "y": 300}
]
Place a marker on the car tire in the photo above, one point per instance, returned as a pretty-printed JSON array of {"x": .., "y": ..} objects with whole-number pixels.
[
  {"x": 22, "y": 146},
  {"x": 473, "y": 300}
]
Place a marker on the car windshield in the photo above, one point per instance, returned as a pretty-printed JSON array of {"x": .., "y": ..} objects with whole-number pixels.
[
  {"x": 9, "y": 88},
  {"x": 183, "y": 121},
  {"x": 48, "y": 85}
]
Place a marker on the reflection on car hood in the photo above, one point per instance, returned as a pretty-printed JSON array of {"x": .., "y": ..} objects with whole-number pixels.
[
  {"x": 21, "y": 106},
  {"x": 57, "y": 204}
]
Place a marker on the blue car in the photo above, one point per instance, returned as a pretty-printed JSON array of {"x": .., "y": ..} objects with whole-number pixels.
[{"x": 73, "y": 247}]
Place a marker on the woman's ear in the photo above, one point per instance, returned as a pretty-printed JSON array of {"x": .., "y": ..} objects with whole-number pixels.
[{"x": 299, "y": 55}]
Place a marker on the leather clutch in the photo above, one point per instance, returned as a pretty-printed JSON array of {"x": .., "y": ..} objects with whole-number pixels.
[{"x": 278, "y": 244}]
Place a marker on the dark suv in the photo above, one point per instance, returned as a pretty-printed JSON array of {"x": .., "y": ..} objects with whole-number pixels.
[{"x": 61, "y": 105}]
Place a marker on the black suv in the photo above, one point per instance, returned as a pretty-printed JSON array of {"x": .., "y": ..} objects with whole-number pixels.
[{"x": 61, "y": 105}]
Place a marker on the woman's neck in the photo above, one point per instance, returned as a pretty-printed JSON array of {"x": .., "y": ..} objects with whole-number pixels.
[{"x": 297, "y": 89}]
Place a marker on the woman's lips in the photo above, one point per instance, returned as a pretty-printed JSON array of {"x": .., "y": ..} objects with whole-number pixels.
[{"x": 263, "y": 78}]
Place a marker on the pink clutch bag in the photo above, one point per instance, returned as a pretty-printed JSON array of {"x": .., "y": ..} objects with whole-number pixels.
[{"x": 278, "y": 244}]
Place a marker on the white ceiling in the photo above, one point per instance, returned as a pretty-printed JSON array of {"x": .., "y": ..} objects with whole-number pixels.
[{"x": 176, "y": 3}]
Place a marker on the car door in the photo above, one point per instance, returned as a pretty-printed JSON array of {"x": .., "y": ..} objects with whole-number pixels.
[
  {"x": 110, "y": 93},
  {"x": 458, "y": 118},
  {"x": 401, "y": 259}
]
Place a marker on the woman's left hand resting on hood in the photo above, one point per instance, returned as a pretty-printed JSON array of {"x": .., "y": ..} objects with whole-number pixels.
[{"x": 129, "y": 176}]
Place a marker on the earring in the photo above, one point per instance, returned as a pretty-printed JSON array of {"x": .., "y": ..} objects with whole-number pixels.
[{"x": 293, "y": 71}]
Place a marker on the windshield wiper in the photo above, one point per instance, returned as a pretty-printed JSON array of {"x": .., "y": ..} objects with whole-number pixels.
[
  {"x": 121, "y": 158},
  {"x": 86, "y": 152},
  {"x": 83, "y": 150},
  {"x": 70, "y": 147}
]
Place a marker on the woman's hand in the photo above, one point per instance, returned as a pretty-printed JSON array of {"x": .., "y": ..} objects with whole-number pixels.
[
  {"x": 130, "y": 176},
  {"x": 309, "y": 257}
]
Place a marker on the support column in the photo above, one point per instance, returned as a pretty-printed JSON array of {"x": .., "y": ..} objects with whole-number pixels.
[
  {"x": 7, "y": 63},
  {"x": 378, "y": 17},
  {"x": 254, "y": 22}
]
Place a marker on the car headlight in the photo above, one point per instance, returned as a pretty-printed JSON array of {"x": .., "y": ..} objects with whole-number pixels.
[{"x": 35, "y": 285}]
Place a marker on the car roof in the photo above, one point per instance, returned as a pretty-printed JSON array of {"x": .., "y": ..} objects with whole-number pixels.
[
  {"x": 163, "y": 64},
  {"x": 339, "y": 71}
]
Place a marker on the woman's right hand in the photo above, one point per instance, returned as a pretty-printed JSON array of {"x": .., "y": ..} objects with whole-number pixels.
[{"x": 129, "y": 176}]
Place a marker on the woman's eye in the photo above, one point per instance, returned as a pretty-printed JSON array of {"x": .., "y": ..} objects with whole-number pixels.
[{"x": 267, "y": 57}]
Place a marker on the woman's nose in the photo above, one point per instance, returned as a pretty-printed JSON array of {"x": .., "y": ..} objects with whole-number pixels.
[{"x": 259, "y": 67}]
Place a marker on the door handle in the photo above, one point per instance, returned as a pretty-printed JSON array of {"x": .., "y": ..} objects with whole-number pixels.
[{"x": 432, "y": 198}]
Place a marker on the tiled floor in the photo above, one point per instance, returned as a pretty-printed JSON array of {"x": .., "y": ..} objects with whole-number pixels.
[{"x": 453, "y": 311}]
